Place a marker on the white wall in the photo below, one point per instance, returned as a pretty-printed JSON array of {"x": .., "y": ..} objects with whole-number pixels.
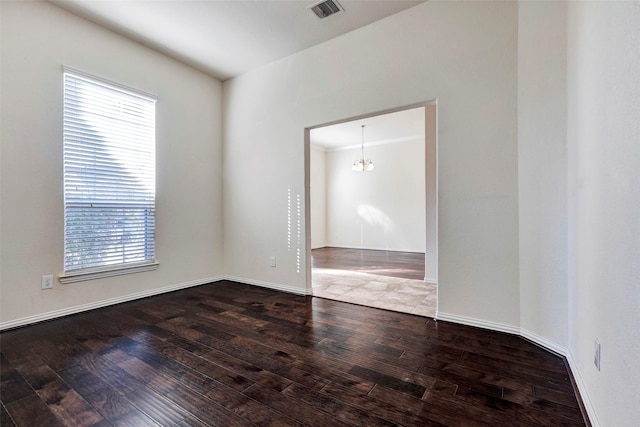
[
  {"x": 462, "y": 53},
  {"x": 431, "y": 201},
  {"x": 37, "y": 39},
  {"x": 383, "y": 209},
  {"x": 604, "y": 203},
  {"x": 579, "y": 193},
  {"x": 318, "y": 196},
  {"x": 542, "y": 165}
]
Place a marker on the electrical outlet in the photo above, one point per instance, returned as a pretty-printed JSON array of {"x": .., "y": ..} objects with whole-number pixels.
[
  {"x": 47, "y": 282},
  {"x": 273, "y": 261},
  {"x": 596, "y": 354}
]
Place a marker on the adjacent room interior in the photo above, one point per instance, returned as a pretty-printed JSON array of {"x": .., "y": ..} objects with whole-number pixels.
[{"x": 368, "y": 210}]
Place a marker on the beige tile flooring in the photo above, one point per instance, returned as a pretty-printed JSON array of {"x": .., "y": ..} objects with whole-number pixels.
[{"x": 391, "y": 293}]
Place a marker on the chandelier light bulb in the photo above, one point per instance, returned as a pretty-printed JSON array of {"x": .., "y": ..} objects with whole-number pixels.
[{"x": 362, "y": 165}]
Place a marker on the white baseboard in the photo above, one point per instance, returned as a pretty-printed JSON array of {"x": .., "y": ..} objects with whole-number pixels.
[
  {"x": 544, "y": 342},
  {"x": 371, "y": 248},
  {"x": 477, "y": 323},
  {"x": 270, "y": 285},
  {"x": 103, "y": 303},
  {"x": 582, "y": 388}
]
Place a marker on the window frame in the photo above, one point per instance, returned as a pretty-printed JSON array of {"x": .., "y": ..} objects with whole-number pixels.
[{"x": 114, "y": 269}]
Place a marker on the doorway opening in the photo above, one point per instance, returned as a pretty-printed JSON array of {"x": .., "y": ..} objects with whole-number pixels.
[{"x": 371, "y": 236}]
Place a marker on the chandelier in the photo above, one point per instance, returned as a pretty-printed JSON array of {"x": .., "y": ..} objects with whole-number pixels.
[{"x": 362, "y": 165}]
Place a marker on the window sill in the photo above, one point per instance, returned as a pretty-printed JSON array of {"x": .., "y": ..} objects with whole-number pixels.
[{"x": 99, "y": 273}]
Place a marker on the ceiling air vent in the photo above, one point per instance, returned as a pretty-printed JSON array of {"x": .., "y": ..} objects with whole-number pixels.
[{"x": 326, "y": 8}]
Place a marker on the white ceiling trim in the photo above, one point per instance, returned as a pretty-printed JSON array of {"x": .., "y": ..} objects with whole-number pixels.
[{"x": 370, "y": 143}]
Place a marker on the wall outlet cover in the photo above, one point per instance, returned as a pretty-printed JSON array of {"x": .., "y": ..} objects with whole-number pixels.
[{"x": 47, "y": 282}]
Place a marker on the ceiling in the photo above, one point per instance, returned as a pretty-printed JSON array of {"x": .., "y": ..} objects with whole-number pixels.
[
  {"x": 226, "y": 38},
  {"x": 382, "y": 129}
]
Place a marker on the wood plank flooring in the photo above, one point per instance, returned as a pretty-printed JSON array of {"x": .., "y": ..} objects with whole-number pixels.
[
  {"x": 408, "y": 265},
  {"x": 228, "y": 354}
]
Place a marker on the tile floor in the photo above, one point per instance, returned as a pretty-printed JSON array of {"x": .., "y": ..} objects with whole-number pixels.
[{"x": 391, "y": 293}]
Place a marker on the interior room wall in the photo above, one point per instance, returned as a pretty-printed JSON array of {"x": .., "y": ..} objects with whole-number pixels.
[
  {"x": 37, "y": 39},
  {"x": 604, "y": 204},
  {"x": 383, "y": 209},
  {"x": 464, "y": 54},
  {"x": 431, "y": 201},
  {"x": 542, "y": 170},
  {"x": 318, "y": 193}
]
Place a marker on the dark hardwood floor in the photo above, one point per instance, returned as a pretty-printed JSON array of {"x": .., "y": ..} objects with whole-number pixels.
[
  {"x": 228, "y": 354},
  {"x": 407, "y": 265}
]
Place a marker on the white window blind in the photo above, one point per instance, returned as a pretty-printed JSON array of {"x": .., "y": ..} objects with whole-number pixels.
[{"x": 109, "y": 175}]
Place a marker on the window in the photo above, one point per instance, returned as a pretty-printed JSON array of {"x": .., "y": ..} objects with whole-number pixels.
[{"x": 109, "y": 178}]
